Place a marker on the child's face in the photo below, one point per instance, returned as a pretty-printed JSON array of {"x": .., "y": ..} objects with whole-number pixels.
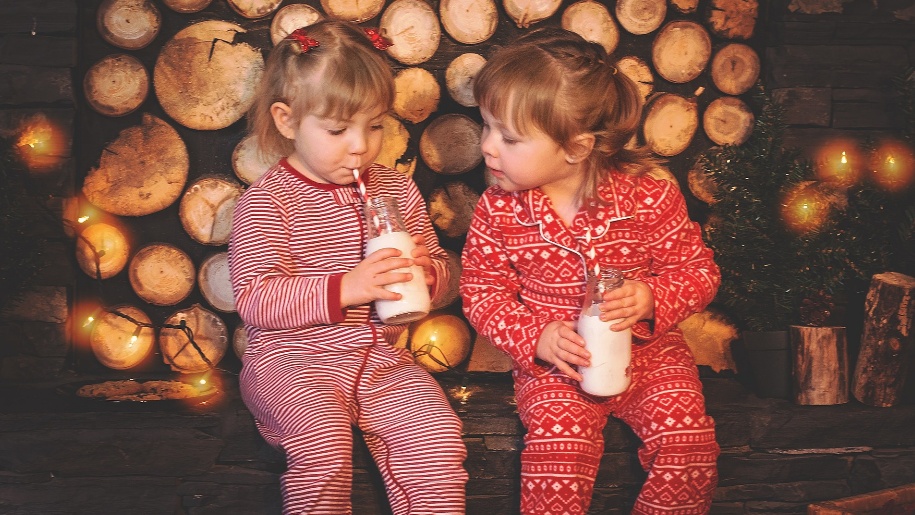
[
  {"x": 518, "y": 162},
  {"x": 327, "y": 150}
]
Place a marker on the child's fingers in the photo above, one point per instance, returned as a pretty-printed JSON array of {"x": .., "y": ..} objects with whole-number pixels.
[
  {"x": 573, "y": 353},
  {"x": 384, "y": 279},
  {"x": 381, "y": 255},
  {"x": 568, "y": 370},
  {"x": 384, "y": 294}
]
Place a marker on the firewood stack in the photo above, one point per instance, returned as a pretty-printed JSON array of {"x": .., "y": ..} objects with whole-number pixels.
[{"x": 167, "y": 85}]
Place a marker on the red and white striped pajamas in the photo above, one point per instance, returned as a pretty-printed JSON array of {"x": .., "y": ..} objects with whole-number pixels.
[
  {"x": 523, "y": 268},
  {"x": 313, "y": 369}
]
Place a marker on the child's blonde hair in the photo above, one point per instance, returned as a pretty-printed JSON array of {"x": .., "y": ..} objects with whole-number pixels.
[
  {"x": 342, "y": 75},
  {"x": 555, "y": 81}
]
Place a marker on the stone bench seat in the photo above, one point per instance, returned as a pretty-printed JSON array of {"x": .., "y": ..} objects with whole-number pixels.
[{"x": 61, "y": 456}]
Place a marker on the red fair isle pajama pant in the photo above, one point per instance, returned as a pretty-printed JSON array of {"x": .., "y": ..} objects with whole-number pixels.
[
  {"x": 306, "y": 402},
  {"x": 664, "y": 406}
]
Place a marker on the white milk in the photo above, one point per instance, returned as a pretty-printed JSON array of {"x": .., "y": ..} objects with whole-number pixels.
[
  {"x": 611, "y": 352},
  {"x": 414, "y": 302}
]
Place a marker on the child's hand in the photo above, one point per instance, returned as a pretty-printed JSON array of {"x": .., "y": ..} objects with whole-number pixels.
[
  {"x": 631, "y": 302},
  {"x": 421, "y": 258},
  {"x": 560, "y": 345},
  {"x": 365, "y": 283}
]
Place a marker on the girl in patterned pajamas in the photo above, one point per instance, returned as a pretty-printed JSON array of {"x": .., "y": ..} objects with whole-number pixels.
[
  {"x": 319, "y": 361},
  {"x": 569, "y": 195}
]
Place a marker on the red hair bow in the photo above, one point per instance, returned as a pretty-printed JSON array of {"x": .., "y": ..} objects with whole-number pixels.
[
  {"x": 306, "y": 42},
  {"x": 378, "y": 41}
]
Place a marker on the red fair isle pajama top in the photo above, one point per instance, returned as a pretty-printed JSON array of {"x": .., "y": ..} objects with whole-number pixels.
[
  {"x": 523, "y": 267},
  {"x": 313, "y": 369}
]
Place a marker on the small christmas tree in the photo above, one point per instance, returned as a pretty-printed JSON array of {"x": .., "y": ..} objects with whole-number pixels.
[{"x": 789, "y": 239}]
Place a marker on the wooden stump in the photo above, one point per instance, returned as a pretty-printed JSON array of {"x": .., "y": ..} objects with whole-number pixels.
[
  {"x": 459, "y": 77},
  {"x": 592, "y": 21},
  {"x": 887, "y": 341},
  {"x": 128, "y": 24},
  {"x": 450, "y": 145},
  {"x": 116, "y": 85},
  {"x": 141, "y": 172},
  {"x": 528, "y": 12},
  {"x": 451, "y": 208},
  {"x": 414, "y": 30},
  {"x": 292, "y": 17},
  {"x": 641, "y": 16},
  {"x": 395, "y": 142},
  {"x": 728, "y": 121},
  {"x": 119, "y": 343},
  {"x": 416, "y": 94},
  {"x": 469, "y": 21},
  {"x": 733, "y": 19},
  {"x": 670, "y": 123},
  {"x": 820, "y": 357},
  {"x": 210, "y": 339},
  {"x": 735, "y": 68},
  {"x": 161, "y": 274},
  {"x": 639, "y": 72},
  {"x": 205, "y": 76},
  {"x": 356, "y": 12},
  {"x": 681, "y": 51}
]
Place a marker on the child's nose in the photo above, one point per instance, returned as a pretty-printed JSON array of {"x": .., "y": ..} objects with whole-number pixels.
[
  {"x": 486, "y": 144},
  {"x": 359, "y": 144}
]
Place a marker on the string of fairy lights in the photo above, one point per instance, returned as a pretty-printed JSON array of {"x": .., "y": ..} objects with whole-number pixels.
[{"x": 92, "y": 319}]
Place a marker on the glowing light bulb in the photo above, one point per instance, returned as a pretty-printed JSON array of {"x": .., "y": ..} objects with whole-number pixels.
[
  {"x": 844, "y": 159},
  {"x": 89, "y": 321},
  {"x": 134, "y": 337},
  {"x": 82, "y": 219}
]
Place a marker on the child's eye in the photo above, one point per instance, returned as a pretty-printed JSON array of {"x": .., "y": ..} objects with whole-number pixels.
[
  {"x": 377, "y": 127},
  {"x": 336, "y": 132},
  {"x": 509, "y": 140}
]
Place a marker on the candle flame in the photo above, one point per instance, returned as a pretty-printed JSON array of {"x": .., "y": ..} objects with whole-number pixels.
[{"x": 844, "y": 159}]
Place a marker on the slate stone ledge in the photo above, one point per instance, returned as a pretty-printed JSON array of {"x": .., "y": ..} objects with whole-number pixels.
[{"x": 188, "y": 459}]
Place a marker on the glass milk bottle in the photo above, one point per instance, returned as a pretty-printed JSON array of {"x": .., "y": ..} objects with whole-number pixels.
[
  {"x": 387, "y": 230},
  {"x": 611, "y": 351}
]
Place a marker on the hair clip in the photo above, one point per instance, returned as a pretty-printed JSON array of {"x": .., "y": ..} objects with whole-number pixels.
[
  {"x": 378, "y": 41},
  {"x": 306, "y": 42}
]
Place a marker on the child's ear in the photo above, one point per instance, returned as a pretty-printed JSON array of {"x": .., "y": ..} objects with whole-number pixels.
[
  {"x": 579, "y": 148},
  {"x": 282, "y": 118}
]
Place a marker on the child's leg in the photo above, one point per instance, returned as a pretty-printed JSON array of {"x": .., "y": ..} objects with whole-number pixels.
[
  {"x": 666, "y": 409},
  {"x": 562, "y": 447},
  {"x": 414, "y": 436},
  {"x": 303, "y": 409}
]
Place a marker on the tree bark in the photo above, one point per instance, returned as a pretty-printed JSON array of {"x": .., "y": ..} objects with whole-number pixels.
[
  {"x": 887, "y": 340},
  {"x": 820, "y": 365}
]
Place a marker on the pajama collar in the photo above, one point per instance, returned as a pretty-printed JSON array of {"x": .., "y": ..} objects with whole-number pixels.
[{"x": 533, "y": 208}]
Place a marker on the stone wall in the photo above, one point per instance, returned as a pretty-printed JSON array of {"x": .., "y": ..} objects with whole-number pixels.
[
  {"x": 832, "y": 69},
  {"x": 38, "y": 41}
]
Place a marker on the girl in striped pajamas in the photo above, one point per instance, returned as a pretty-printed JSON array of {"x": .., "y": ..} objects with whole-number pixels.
[
  {"x": 319, "y": 361},
  {"x": 570, "y": 195}
]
